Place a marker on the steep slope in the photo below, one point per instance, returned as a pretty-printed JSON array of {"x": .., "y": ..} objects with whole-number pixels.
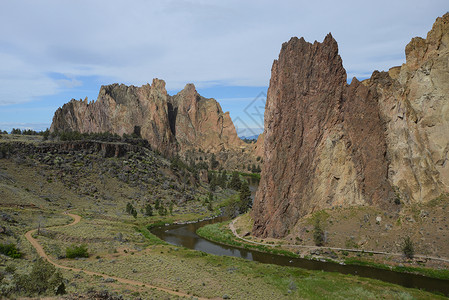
[
  {"x": 331, "y": 144},
  {"x": 170, "y": 124}
]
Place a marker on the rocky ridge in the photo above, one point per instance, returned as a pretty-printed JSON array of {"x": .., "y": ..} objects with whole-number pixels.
[
  {"x": 380, "y": 142},
  {"x": 171, "y": 124}
]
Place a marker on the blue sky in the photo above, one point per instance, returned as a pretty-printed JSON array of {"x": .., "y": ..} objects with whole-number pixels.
[{"x": 52, "y": 51}]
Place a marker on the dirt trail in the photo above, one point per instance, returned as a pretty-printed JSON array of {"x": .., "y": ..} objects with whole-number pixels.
[
  {"x": 234, "y": 231},
  {"x": 77, "y": 219}
]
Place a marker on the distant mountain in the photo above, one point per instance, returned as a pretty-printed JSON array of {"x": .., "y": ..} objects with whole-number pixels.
[{"x": 251, "y": 137}]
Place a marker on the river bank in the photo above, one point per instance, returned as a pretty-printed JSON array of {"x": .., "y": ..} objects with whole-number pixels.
[{"x": 222, "y": 233}]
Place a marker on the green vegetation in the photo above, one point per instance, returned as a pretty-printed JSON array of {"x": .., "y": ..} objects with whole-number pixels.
[
  {"x": 407, "y": 248},
  {"x": 148, "y": 210},
  {"x": 75, "y": 251},
  {"x": 10, "y": 250},
  {"x": 43, "y": 279},
  {"x": 221, "y": 233},
  {"x": 245, "y": 197},
  {"x": 318, "y": 234},
  {"x": 235, "y": 182},
  {"x": 213, "y": 162},
  {"x": 434, "y": 273},
  {"x": 26, "y": 131},
  {"x": 252, "y": 168},
  {"x": 131, "y": 210},
  {"x": 121, "y": 245}
]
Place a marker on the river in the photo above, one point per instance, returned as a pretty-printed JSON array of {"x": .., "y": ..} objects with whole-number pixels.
[{"x": 185, "y": 235}]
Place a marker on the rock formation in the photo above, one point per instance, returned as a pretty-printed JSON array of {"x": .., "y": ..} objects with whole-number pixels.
[
  {"x": 331, "y": 144},
  {"x": 169, "y": 123},
  {"x": 201, "y": 123},
  {"x": 258, "y": 146}
]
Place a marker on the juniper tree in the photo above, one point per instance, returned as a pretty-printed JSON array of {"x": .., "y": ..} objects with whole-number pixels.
[{"x": 245, "y": 197}]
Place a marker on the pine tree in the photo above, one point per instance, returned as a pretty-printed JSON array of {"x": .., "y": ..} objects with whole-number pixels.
[
  {"x": 223, "y": 179},
  {"x": 209, "y": 206},
  {"x": 162, "y": 210},
  {"x": 148, "y": 210},
  {"x": 131, "y": 210},
  {"x": 211, "y": 197},
  {"x": 213, "y": 182},
  {"x": 407, "y": 248},
  {"x": 318, "y": 234},
  {"x": 245, "y": 198},
  {"x": 213, "y": 162},
  {"x": 235, "y": 182}
]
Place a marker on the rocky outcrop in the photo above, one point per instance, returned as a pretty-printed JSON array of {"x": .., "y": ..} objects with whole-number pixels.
[
  {"x": 201, "y": 123},
  {"x": 331, "y": 144},
  {"x": 170, "y": 124},
  {"x": 414, "y": 103},
  {"x": 104, "y": 149},
  {"x": 258, "y": 146}
]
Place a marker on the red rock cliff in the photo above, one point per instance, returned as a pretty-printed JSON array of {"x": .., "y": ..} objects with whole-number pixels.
[
  {"x": 170, "y": 124},
  {"x": 331, "y": 144}
]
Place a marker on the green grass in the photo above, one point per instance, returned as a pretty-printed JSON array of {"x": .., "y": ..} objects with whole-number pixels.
[
  {"x": 152, "y": 239},
  {"x": 439, "y": 274},
  {"x": 206, "y": 275},
  {"x": 221, "y": 233},
  {"x": 211, "y": 276}
]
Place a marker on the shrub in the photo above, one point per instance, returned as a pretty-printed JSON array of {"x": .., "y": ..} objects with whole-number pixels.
[
  {"x": 235, "y": 182},
  {"x": 213, "y": 162},
  {"x": 10, "y": 250},
  {"x": 131, "y": 210},
  {"x": 318, "y": 234},
  {"x": 43, "y": 278},
  {"x": 148, "y": 210},
  {"x": 407, "y": 248},
  {"x": 76, "y": 251}
]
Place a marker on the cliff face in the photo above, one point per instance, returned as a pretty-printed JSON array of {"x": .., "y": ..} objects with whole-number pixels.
[
  {"x": 331, "y": 144},
  {"x": 414, "y": 103},
  {"x": 170, "y": 124},
  {"x": 200, "y": 122}
]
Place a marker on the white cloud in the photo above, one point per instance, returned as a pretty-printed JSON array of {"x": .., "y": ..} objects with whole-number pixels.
[
  {"x": 20, "y": 82},
  {"x": 231, "y": 42}
]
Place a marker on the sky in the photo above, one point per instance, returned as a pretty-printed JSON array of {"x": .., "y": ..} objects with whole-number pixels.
[{"x": 54, "y": 50}]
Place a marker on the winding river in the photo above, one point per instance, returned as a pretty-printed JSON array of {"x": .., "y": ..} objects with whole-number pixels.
[{"x": 185, "y": 235}]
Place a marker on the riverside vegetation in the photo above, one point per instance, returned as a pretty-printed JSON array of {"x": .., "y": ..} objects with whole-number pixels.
[{"x": 85, "y": 178}]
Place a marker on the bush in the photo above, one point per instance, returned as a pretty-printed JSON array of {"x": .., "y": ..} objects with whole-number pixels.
[
  {"x": 318, "y": 234},
  {"x": 235, "y": 182},
  {"x": 407, "y": 248},
  {"x": 148, "y": 210},
  {"x": 43, "y": 278},
  {"x": 131, "y": 210},
  {"x": 76, "y": 251},
  {"x": 10, "y": 250}
]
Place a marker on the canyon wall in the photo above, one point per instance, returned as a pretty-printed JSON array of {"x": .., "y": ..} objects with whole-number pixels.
[{"x": 382, "y": 142}]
